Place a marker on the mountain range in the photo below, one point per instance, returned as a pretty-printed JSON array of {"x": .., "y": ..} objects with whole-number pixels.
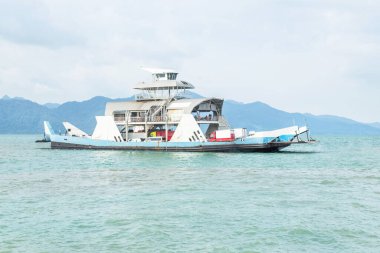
[{"x": 22, "y": 116}]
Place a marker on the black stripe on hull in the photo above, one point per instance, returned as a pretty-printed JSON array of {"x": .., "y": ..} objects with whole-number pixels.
[{"x": 269, "y": 147}]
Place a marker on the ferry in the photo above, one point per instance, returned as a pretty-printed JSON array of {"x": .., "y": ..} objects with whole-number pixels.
[{"x": 164, "y": 117}]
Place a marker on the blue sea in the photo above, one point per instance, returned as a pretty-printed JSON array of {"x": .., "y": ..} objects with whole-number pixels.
[{"x": 323, "y": 197}]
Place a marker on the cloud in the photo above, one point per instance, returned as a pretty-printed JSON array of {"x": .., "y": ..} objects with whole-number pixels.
[
  {"x": 310, "y": 56},
  {"x": 27, "y": 23}
]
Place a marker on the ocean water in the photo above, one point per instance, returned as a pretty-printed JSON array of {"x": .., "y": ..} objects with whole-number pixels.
[{"x": 323, "y": 197}]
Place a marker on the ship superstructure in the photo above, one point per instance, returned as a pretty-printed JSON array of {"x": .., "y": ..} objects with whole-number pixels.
[{"x": 159, "y": 107}]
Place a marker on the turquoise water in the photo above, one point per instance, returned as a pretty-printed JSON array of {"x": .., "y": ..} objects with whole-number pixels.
[{"x": 317, "y": 198}]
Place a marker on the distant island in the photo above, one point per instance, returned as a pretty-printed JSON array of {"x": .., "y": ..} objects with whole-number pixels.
[{"x": 22, "y": 116}]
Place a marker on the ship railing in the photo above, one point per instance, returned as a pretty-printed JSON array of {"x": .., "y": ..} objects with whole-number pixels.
[
  {"x": 119, "y": 119},
  {"x": 156, "y": 119},
  {"x": 147, "y": 96},
  {"x": 148, "y": 119},
  {"x": 206, "y": 118},
  {"x": 170, "y": 118},
  {"x": 137, "y": 119},
  {"x": 143, "y": 96}
]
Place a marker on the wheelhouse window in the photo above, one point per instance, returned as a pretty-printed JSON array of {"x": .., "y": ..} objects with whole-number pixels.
[
  {"x": 137, "y": 116},
  {"x": 160, "y": 76},
  {"x": 172, "y": 76},
  {"x": 165, "y": 76}
]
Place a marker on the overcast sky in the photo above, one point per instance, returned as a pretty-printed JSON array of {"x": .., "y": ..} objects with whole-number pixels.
[{"x": 321, "y": 57}]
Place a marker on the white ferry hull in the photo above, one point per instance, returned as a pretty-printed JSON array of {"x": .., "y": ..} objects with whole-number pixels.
[{"x": 69, "y": 142}]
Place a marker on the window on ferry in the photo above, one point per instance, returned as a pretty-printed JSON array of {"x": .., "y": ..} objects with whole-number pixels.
[
  {"x": 119, "y": 117},
  {"x": 160, "y": 76},
  {"x": 137, "y": 114},
  {"x": 172, "y": 76}
]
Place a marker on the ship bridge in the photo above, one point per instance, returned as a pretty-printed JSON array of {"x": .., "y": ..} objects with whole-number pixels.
[{"x": 164, "y": 85}]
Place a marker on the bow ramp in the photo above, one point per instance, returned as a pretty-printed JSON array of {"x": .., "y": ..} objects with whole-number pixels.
[
  {"x": 73, "y": 130},
  {"x": 48, "y": 131}
]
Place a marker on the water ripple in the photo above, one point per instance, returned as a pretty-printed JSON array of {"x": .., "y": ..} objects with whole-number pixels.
[{"x": 318, "y": 198}]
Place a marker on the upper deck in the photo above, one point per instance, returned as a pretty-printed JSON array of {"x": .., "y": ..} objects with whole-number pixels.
[{"x": 164, "y": 85}]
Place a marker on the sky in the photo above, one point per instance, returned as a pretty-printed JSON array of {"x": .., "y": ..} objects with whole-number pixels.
[{"x": 320, "y": 57}]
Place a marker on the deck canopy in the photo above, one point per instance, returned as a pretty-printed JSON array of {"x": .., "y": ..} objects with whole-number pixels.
[{"x": 164, "y": 85}]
